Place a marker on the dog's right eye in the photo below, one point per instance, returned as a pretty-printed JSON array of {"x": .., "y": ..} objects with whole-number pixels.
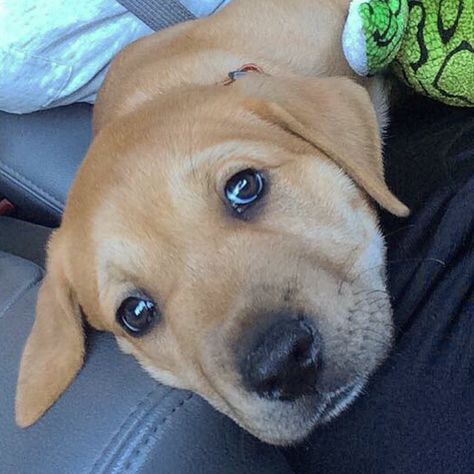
[
  {"x": 244, "y": 189},
  {"x": 137, "y": 315}
]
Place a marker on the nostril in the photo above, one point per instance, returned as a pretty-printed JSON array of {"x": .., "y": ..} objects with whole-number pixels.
[
  {"x": 284, "y": 361},
  {"x": 304, "y": 349}
]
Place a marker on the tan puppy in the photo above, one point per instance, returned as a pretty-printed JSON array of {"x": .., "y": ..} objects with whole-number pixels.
[{"x": 225, "y": 234}]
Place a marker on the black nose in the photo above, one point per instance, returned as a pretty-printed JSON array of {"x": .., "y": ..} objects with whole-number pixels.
[{"x": 283, "y": 363}]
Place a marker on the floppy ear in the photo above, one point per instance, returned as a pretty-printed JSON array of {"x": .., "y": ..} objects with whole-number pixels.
[
  {"x": 54, "y": 351},
  {"x": 333, "y": 114}
]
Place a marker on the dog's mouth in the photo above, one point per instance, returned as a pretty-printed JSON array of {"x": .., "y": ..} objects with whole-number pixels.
[
  {"x": 336, "y": 402},
  {"x": 289, "y": 422}
]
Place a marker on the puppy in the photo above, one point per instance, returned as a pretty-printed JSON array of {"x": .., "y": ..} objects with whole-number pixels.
[{"x": 224, "y": 230}]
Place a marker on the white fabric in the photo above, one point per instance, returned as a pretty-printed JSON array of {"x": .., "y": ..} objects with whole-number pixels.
[
  {"x": 353, "y": 39},
  {"x": 55, "y": 52}
]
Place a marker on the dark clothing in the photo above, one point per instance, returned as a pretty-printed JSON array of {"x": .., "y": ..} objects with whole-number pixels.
[{"x": 417, "y": 415}]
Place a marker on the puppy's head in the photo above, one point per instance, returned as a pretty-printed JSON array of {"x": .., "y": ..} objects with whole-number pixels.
[{"x": 226, "y": 236}]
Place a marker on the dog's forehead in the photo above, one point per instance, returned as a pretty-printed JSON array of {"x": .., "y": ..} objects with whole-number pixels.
[
  {"x": 161, "y": 166},
  {"x": 154, "y": 180}
]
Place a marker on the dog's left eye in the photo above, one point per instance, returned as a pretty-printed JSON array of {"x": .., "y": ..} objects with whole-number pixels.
[
  {"x": 244, "y": 189},
  {"x": 137, "y": 315}
]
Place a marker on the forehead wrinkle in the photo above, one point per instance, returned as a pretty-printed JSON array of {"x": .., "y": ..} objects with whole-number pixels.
[
  {"x": 230, "y": 149},
  {"x": 116, "y": 260},
  {"x": 194, "y": 176},
  {"x": 119, "y": 237}
]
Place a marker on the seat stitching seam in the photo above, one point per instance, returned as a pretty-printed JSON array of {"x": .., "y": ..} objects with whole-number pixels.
[
  {"x": 37, "y": 188},
  {"x": 170, "y": 413},
  {"x": 19, "y": 293},
  {"x": 119, "y": 430}
]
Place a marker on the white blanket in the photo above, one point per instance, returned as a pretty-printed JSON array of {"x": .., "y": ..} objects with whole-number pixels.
[{"x": 55, "y": 52}]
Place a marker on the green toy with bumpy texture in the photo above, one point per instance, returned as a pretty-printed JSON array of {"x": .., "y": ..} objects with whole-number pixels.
[{"x": 428, "y": 44}]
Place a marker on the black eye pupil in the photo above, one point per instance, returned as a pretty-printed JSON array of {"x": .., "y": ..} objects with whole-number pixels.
[
  {"x": 137, "y": 315},
  {"x": 244, "y": 188}
]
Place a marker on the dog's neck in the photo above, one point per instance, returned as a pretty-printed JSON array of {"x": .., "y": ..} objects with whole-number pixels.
[{"x": 202, "y": 52}]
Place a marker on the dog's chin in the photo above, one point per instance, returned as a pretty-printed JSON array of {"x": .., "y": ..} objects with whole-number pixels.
[{"x": 303, "y": 415}]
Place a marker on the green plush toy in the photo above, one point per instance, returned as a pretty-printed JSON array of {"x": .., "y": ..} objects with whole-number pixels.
[{"x": 428, "y": 44}]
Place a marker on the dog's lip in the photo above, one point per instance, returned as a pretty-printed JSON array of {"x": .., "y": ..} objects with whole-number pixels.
[
  {"x": 335, "y": 402},
  {"x": 320, "y": 409}
]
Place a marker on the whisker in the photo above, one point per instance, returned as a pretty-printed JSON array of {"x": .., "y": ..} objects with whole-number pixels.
[
  {"x": 345, "y": 279},
  {"x": 396, "y": 231},
  {"x": 369, "y": 302},
  {"x": 380, "y": 340},
  {"x": 369, "y": 292},
  {"x": 398, "y": 261}
]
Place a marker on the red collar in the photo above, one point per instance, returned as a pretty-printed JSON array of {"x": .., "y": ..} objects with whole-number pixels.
[{"x": 234, "y": 75}]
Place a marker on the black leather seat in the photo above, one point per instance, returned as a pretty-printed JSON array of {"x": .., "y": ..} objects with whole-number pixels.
[
  {"x": 39, "y": 156},
  {"x": 114, "y": 417}
]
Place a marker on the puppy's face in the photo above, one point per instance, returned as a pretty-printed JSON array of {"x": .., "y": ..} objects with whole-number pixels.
[{"x": 217, "y": 236}]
